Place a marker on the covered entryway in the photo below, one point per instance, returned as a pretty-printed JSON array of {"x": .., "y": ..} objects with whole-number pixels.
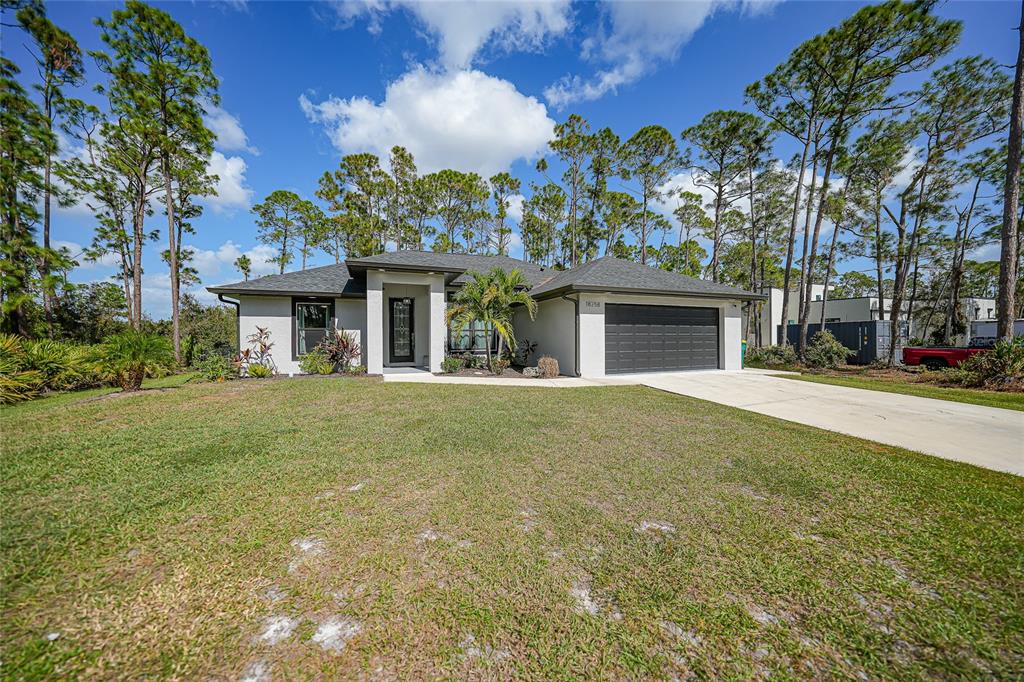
[{"x": 659, "y": 338}]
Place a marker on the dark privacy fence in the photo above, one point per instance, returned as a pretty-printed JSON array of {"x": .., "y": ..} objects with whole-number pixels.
[{"x": 869, "y": 339}]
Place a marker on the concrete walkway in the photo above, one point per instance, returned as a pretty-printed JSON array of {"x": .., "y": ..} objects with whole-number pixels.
[
  {"x": 989, "y": 437},
  {"x": 424, "y": 377}
]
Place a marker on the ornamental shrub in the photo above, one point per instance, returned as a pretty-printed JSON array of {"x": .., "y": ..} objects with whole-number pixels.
[
  {"x": 1002, "y": 367},
  {"x": 771, "y": 356},
  {"x": 548, "y": 367},
  {"x": 452, "y": 364},
  {"x": 316, "y": 361},
  {"x": 825, "y": 352}
]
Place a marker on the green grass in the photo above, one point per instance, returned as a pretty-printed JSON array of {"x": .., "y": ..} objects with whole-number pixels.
[
  {"x": 1006, "y": 400},
  {"x": 462, "y": 527}
]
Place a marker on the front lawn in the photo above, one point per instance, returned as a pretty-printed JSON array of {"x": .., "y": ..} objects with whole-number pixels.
[
  {"x": 347, "y": 528},
  {"x": 912, "y": 384}
]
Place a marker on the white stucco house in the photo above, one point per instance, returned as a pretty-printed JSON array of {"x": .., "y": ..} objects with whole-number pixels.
[{"x": 608, "y": 316}]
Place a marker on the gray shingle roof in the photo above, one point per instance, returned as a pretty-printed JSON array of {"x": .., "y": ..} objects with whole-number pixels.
[
  {"x": 604, "y": 274},
  {"x": 450, "y": 262},
  {"x": 614, "y": 275},
  {"x": 328, "y": 279}
]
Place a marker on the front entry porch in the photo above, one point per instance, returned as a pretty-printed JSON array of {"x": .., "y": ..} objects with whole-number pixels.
[{"x": 405, "y": 325}]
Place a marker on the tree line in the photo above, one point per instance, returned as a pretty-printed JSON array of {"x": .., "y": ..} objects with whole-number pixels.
[
  {"x": 879, "y": 175},
  {"x": 144, "y": 151},
  {"x": 911, "y": 181}
]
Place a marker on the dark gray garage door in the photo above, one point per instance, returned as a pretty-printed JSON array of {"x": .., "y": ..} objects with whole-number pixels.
[{"x": 657, "y": 338}]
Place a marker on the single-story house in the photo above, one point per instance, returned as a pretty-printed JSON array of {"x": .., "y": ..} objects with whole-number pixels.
[{"x": 606, "y": 316}]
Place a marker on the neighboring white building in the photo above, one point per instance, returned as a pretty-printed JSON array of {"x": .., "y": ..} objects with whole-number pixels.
[
  {"x": 985, "y": 330},
  {"x": 855, "y": 309},
  {"x": 771, "y": 309},
  {"x": 859, "y": 309},
  {"x": 608, "y": 316}
]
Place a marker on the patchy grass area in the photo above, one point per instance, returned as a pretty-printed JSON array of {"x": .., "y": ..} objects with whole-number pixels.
[
  {"x": 909, "y": 383},
  {"x": 329, "y": 528}
]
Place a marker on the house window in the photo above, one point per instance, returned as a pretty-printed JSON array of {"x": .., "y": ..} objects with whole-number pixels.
[
  {"x": 473, "y": 337},
  {"x": 312, "y": 322}
]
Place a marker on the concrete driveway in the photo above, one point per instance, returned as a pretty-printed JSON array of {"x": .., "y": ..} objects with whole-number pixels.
[{"x": 989, "y": 437}]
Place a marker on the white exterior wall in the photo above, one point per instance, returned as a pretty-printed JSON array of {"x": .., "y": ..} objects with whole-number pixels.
[
  {"x": 275, "y": 313},
  {"x": 553, "y": 330},
  {"x": 350, "y": 315}
]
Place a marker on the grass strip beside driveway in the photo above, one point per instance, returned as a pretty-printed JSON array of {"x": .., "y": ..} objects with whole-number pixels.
[{"x": 1007, "y": 400}]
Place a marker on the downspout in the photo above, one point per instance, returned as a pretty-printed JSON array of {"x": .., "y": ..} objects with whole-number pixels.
[
  {"x": 576, "y": 307},
  {"x": 238, "y": 320}
]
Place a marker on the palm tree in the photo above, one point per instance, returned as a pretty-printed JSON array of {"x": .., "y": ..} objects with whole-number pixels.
[
  {"x": 126, "y": 359},
  {"x": 490, "y": 298}
]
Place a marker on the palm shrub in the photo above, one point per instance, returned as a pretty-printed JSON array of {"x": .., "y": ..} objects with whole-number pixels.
[
  {"x": 825, "y": 352},
  {"x": 491, "y": 298},
  {"x": 1000, "y": 367},
  {"x": 63, "y": 366},
  {"x": 17, "y": 383},
  {"x": 126, "y": 359}
]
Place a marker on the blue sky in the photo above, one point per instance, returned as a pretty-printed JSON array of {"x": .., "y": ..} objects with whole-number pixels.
[{"x": 473, "y": 87}]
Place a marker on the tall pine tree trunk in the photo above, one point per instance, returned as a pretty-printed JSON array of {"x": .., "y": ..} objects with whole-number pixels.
[
  {"x": 783, "y": 337},
  {"x": 138, "y": 236},
  {"x": 172, "y": 245},
  {"x": 44, "y": 261},
  {"x": 807, "y": 284},
  {"x": 879, "y": 257},
  {"x": 1009, "y": 244},
  {"x": 828, "y": 270},
  {"x": 806, "y": 240}
]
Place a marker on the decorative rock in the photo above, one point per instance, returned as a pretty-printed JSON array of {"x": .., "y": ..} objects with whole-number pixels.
[{"x": 531, "y": 372}]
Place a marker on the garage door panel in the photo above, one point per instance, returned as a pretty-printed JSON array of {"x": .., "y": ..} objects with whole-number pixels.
[{"x": 642, "y": 338}]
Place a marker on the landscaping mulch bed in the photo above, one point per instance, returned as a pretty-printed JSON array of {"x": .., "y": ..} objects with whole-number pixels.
[{"x": 510, "y": 373}]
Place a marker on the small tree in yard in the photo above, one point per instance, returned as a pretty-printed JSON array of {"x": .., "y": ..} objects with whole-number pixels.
[
  {"x": 825, "y": 351},
  {"x": 490, "y": 299}
]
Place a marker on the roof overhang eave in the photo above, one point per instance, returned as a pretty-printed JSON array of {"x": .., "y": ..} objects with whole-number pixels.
[
  {"x": 573, "y": 288},
  {"x": 229, "y": 291}
]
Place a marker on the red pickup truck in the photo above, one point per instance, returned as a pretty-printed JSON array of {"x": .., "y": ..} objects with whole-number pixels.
[{"x": 938, "y": 357}]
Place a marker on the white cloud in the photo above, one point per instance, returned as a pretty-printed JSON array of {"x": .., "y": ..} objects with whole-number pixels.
[
  {"x": 108, "y": 260},
  {"x": 228, "y": 129},
  {"x": 515, "y": 207},
  {"x": 212, "y": 264},
  {"x": 232, "y": 191},
  {"x": 462, "y": 28},
  {"x": 634, "y": 37},
  {"x": 515, "y": 245},
  {"x": 464, "y": 119}
]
